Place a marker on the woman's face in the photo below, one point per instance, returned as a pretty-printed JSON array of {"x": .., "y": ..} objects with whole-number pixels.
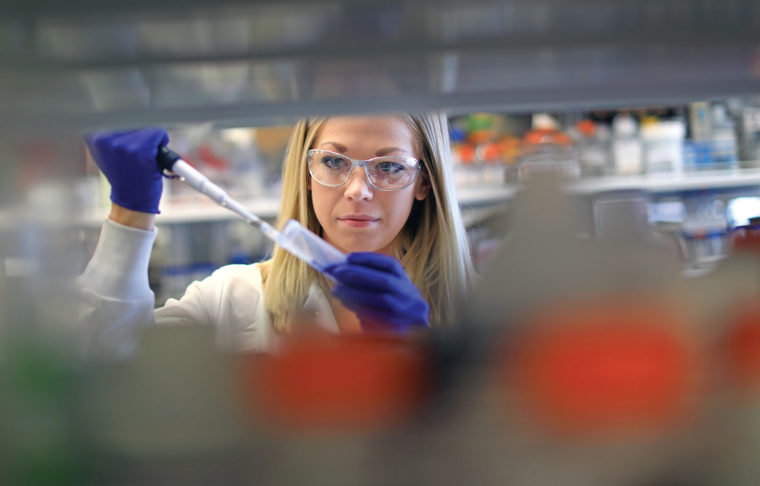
[{"x": 356, "y": 216}]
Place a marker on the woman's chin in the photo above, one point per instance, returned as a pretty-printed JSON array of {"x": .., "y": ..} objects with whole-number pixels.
[{"x": 358, "y": 245}]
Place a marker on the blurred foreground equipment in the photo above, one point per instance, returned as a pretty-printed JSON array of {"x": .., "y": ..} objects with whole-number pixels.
[{"x": 578, "y": 360}]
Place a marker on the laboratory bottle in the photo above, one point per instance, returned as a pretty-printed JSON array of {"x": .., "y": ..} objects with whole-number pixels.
[
  {"x": 704, "y": 228},
  {"x": 750, "y": 133},
  {"x": 546, "y": 150},
  {"x": 626, "y": 145},
  {"x": 587, "y": 344},
  {"x": 663, "y": 144},
  {"x": 722, "y": 138},
  {"x": 698, "y": 147},
  {"x": 592, "y": 143},
  {"x": 728, "y": 303}
]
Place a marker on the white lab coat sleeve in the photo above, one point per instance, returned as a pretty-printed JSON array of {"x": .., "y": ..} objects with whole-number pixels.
[
  {"x": 116, "y": 300},
  {"x": 232, "y": 300}
]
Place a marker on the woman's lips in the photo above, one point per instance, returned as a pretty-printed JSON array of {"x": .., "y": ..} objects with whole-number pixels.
[{"x": 358, "y": 220}]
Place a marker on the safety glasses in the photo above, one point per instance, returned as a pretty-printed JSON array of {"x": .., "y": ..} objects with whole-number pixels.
[{"x": 386, "y": 173}]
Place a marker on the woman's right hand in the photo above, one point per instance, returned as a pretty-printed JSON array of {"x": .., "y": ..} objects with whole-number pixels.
[{"x": 128, "y": 160}]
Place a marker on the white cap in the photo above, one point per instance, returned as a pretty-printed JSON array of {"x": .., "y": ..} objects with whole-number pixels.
[{"x": 624, "y": 125}]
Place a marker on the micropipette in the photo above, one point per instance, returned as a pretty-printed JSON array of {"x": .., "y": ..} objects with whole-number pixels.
[{"x": 294, "y": 237}]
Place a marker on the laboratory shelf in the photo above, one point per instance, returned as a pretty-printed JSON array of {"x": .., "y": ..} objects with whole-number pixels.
[
  {"x": 200, "y": 211},
  {"x": 471, "y": 197},
  {"x": 266, "y": 208},
  {"x": 659, "y": 183},
  {"x": 486, "y": 195},
  {"x": 86, "y": 65},
  {"x": 194, "y": 212},
  {"x": 652, "y": 183}
]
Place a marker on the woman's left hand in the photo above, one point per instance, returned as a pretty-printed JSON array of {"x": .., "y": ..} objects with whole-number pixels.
[{"x": 377, "y": 288}]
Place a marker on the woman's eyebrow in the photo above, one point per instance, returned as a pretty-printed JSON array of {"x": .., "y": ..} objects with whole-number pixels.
[
  {"x": 383, "y": 151},
  {"x": 338, "y": 147},
  {"x": 389, "y": 150}
]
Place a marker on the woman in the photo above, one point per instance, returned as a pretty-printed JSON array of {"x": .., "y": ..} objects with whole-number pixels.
[{"x": 378, "y": 188}]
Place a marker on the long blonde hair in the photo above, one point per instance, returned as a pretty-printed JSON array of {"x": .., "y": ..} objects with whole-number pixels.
[{"x": 433, "y": 243}]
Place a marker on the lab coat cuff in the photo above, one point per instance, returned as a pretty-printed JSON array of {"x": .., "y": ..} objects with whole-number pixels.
[{"x": 119, "y": 265}]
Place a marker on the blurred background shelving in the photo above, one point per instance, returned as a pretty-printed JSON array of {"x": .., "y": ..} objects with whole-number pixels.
[
  {"x": 741, "y": 180},
  {"x": 251, "y": 69},
  {"x": 85, "y": 65}
]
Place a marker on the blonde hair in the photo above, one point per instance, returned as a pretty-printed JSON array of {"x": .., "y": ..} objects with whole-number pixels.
[{"x": 433, "y": 245}]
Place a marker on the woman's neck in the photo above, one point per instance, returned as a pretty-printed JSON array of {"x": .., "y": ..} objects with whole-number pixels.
[{"x": 348, "y": 322}]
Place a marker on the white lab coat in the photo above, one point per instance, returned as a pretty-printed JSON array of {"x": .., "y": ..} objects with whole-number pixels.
[{"x": 117, "y": 301}]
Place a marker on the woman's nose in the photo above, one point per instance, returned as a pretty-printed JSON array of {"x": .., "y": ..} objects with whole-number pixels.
[{"x": 357, "y": 186}]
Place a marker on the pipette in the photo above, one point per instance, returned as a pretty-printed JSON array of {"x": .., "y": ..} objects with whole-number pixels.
[{"x": 294, "y": 237}]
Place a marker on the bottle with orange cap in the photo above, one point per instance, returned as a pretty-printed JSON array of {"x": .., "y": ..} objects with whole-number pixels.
[
  {"x": 546, "y": 149},
  {"x": 588, "y": 350},
  {"x": 593, "y": 143}
]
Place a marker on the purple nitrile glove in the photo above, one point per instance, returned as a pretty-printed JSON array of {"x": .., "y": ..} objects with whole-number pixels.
[
  {"x": 377, "y": 288},
  {"x": 128, "y": 160}
]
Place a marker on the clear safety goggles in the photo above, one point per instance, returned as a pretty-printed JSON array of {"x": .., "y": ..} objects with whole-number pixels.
[{"x": 385, "y": 173}]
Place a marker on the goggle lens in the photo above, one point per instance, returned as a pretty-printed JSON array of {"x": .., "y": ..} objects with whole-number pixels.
[{"x": 386, "y": 173}]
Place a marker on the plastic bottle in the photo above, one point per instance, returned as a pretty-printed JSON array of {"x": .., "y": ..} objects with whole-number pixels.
[
  {"x": 705, "y": 228},
  {"x": 697, "y": 150},
  {"x": 626, "y": 146},
  {"x": 547, "y": 150},
  {"x": 593, "y": 148},
  {"x": 750, "y": 134},
  {"x": 588, "y": 339},
  {"x": 722, "y": 139},
  {"x": 663, "y": 145}
]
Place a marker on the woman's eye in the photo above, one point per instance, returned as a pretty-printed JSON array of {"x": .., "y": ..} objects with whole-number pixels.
[
  {"x": 389, "y": 167},
  {"x": 334, "y": 162}
]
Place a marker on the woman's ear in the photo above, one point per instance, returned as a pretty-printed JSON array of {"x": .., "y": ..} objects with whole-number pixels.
[{"x": 423, "y": 186}]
